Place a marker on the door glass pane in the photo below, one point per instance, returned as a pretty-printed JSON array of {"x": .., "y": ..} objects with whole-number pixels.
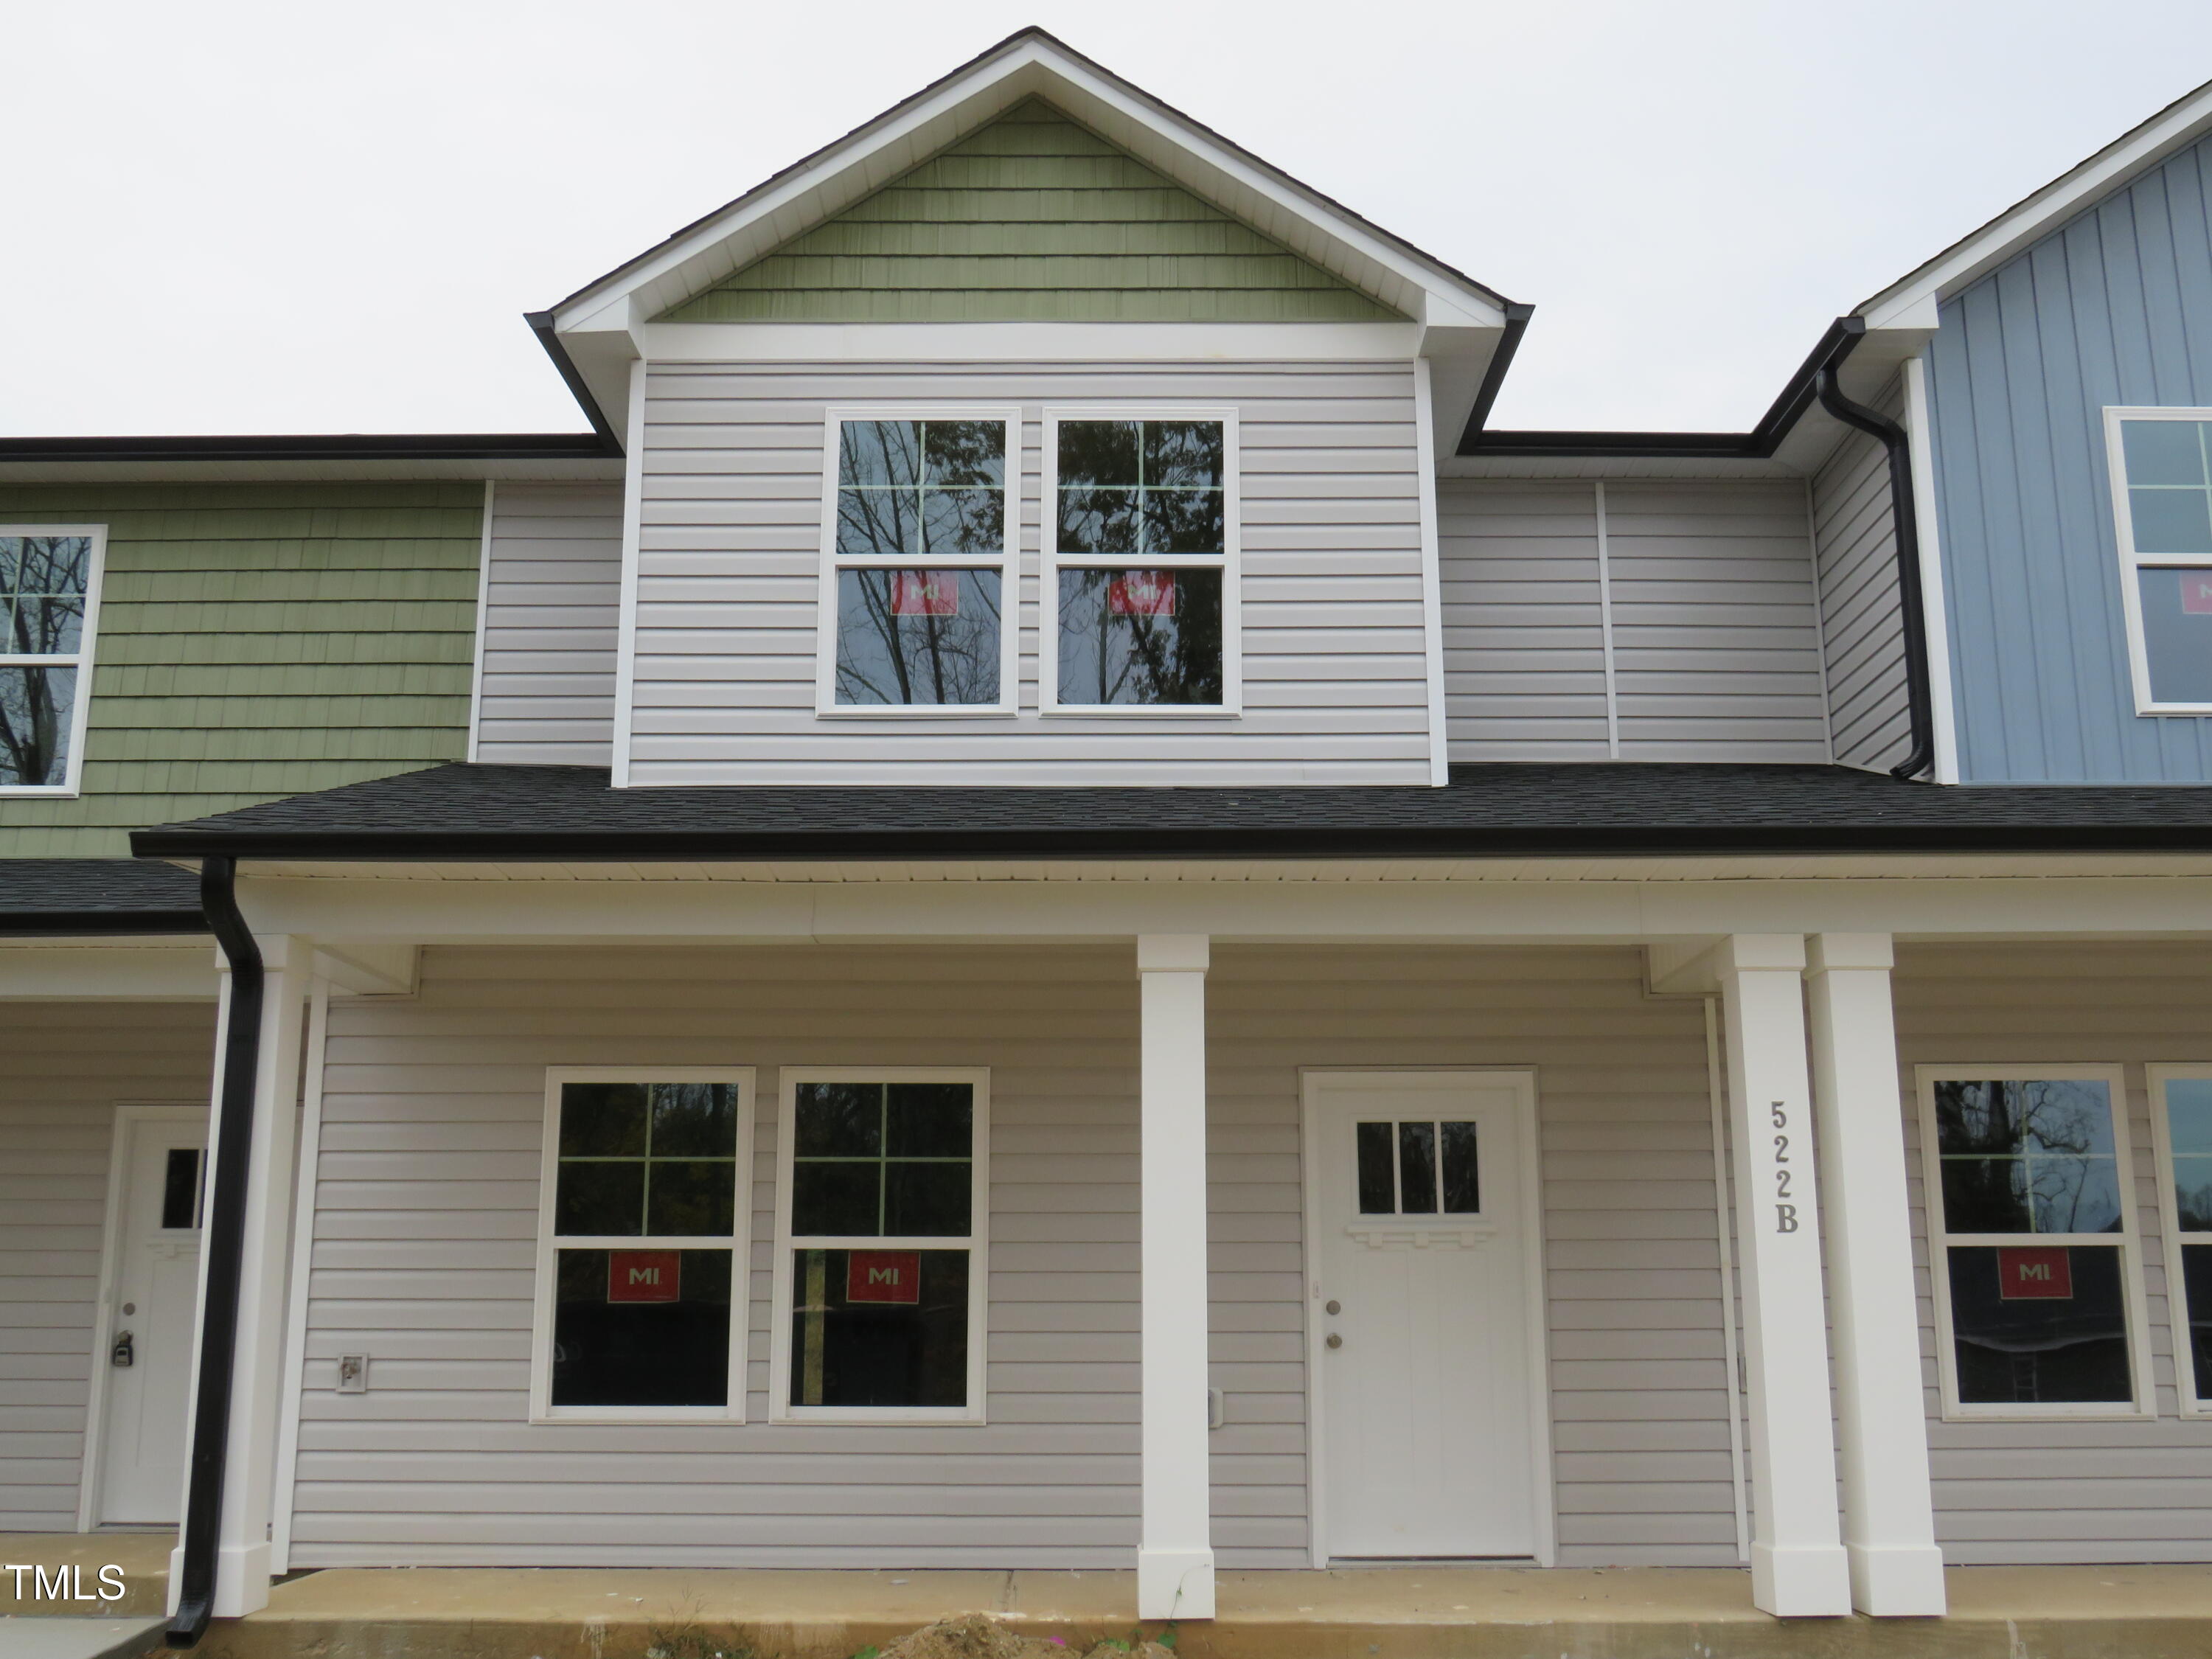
[
  {"x": 642, "y": 1328},
  {"x": 880, "y": 1328},
  {"x": 1462, "y": 1182},
  {"x": 180, "y": 1188},
  {"x": 2038, "y": 1323},
  {"x": 1378, "y": 1187},
  {"x": 1417, "y": 1169}
]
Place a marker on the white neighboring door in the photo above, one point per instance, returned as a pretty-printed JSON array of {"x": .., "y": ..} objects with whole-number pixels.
[
  {"x": 1419, "y": 1313},
  {"x": 156, "y": 1287}
]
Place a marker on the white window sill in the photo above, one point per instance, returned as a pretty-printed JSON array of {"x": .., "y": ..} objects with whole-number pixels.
[
  {"x": 2057, "y": 1411},
  {"x": 915, "y": 711},
  {"x": 672, "y": 1415},
  {"x": 1140, "y": 711},
  {"x": 879, "y": 1416},
  {"x": 39, "y": 791}
]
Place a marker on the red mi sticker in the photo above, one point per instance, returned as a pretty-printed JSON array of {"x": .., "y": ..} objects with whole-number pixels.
[
  {"x": 2197, "y": 592},
  {"x": 644, "y": 1276},
  {"x": 2028, "y": 1274},
  {"x": 924, "y": 593},
  {"x": 1142, "y": 593},
  {"x": 882, "y": 1276}
]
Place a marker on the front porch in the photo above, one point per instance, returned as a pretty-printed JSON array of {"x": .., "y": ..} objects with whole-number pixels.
[{"x": 1431, "y": 1612}]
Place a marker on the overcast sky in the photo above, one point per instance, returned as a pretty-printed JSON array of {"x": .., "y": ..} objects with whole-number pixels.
[{"x": 327, "y": 217}]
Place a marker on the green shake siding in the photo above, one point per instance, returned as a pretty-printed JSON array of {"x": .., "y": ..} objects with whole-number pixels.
[
  {"x": 1031, "y": 218},
  {"x": 259, "y": 641}
]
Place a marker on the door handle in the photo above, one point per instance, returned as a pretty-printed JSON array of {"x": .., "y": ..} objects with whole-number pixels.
[
  {"x": 1333, "y": 1340},
  {"x": 123, "y": 1353}
]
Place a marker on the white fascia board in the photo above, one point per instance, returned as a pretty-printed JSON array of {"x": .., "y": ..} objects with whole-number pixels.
[
  {"x": 1910, "y": 303},
  {"x": 696, "y": 913},
  {"x": 858, "y": 165}
]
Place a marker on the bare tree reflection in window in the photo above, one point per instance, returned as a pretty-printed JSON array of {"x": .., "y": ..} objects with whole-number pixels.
[
  {"x": 2027, "y": 1156},
  {"x": 943, "y": 651}
]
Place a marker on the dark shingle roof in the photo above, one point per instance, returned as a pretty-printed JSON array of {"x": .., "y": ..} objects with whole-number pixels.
[
  {"x": 567, "y": 812},
  {"x": 97, "y": 895}
]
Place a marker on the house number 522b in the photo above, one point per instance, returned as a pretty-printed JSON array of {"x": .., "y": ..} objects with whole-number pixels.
[{"x": 1785, "y": 1214}]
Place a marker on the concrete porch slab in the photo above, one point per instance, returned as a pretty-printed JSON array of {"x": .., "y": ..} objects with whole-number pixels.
[
  {"x": 142, "y": 1555},
  {"x": 77, "y": 1638},
  {"x": 1411, "y": 1612}
]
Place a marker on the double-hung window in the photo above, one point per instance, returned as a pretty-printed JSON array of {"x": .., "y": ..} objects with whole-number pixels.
[
  {"x": 918, "y": 565},
  {"x": 880, "y": 1231},
  {"x": 2031, "y": 1236},
  {"x": 1140, "y": 576},
  {"x": 49, "y": 604},
  {"x": 2161, "y": 464},
  {"x": 643, "y": 1226},
  {"x": 2181, "y": 1115}
]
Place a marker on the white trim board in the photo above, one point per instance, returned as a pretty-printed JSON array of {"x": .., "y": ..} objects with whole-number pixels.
[
  {"x": 121, "y": 1140},
  {"x": 1911, "y": 300},
  {"x": 483, "y": 607},
  {"x": 308, "y": 1160},
  {"x": 1313, "y": 1082}
]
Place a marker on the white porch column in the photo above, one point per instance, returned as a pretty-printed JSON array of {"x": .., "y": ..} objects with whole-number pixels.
[
  {"x": 242, "y": 1548},
  {"x": 1889, "y": 1522},
  {"x": 1797, "y": 1564},
  {"x": 1175, "y": 1547}
]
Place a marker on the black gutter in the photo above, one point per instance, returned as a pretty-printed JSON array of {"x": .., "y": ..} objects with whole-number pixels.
[
  {"x": 1561, "y": 839},
  {"x": 1493, "y": 375},
  {"x": 60, "y": 924},
  {"x": 1757, "y": 445},
  {"x": 1918, "y": 702},
  {"x": 226, "y": 1253},
  {"x": 541, "y": 324},
  {"x": 316, "y": 446}
]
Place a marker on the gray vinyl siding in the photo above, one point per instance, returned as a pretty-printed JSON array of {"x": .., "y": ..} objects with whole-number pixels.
[
  {"x": 1861, "y": 625},
  {"x": 1524, "y": 642},
  {"x": 68, "y": 1066},
  {"x": 427, "y": 1210},
  {"x": 2041, "y": 1490},
  {"x": 552, "y": 609},
  {"x": 1715, "y": 621},
  {"x": 1334, "y": 681},
  {"x": 2114, "y": 308}
]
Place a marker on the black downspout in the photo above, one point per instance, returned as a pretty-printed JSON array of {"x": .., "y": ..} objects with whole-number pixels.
[
  {"x": 1910, "y": 601},
  {"x": 226, "y": 1252}
]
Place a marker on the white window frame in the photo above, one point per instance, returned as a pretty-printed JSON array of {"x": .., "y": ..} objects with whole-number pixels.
[
  {"x": 976, "y": 1243},
  {"x": 2136, "y": 1315},
  {"x": 2195, "y": 1392},
  {"x": 1051, "y": 561},
  {"x": 2131, "y": 562},
  {"x": 738, "y": 1243},
  {"x": 81, "y": 659},
  {"x": 1007, "y": 564}
]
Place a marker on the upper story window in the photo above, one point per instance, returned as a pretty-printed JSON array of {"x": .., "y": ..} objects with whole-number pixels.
[
  {"x": 2031, "y": 1241},
  {"x": 918, "y": 561},
  {"x": 2162, "y": 469},
  {"x": 49, "y": 600},
  {"x": 1140, "y": 572}
]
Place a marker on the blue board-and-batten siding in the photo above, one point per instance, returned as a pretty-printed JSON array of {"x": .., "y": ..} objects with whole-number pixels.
[{"x": 2114, "y": 308}]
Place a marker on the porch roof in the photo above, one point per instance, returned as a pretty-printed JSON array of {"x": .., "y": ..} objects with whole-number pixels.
[
  {"x": 49, "y": 897},
  {"x": 463, "y": 812}
]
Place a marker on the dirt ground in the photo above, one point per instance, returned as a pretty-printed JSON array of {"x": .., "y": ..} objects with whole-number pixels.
[{"x": 979, "y": 1635}]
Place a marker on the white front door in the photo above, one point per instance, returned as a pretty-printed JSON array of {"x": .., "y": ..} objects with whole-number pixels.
[
  {"x": 1418, "y": 1307},
  {"x": 155, "y": 1278}
]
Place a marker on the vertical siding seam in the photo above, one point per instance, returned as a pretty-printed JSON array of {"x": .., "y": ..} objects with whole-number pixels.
[
  {"x": 632, "y": 539},
  {"x": 1605, "y": 627},
  {"x": 1432, "y": 581},
  {"x": 484, "y": 612},
  {"x": 1820, "y": 619}
]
